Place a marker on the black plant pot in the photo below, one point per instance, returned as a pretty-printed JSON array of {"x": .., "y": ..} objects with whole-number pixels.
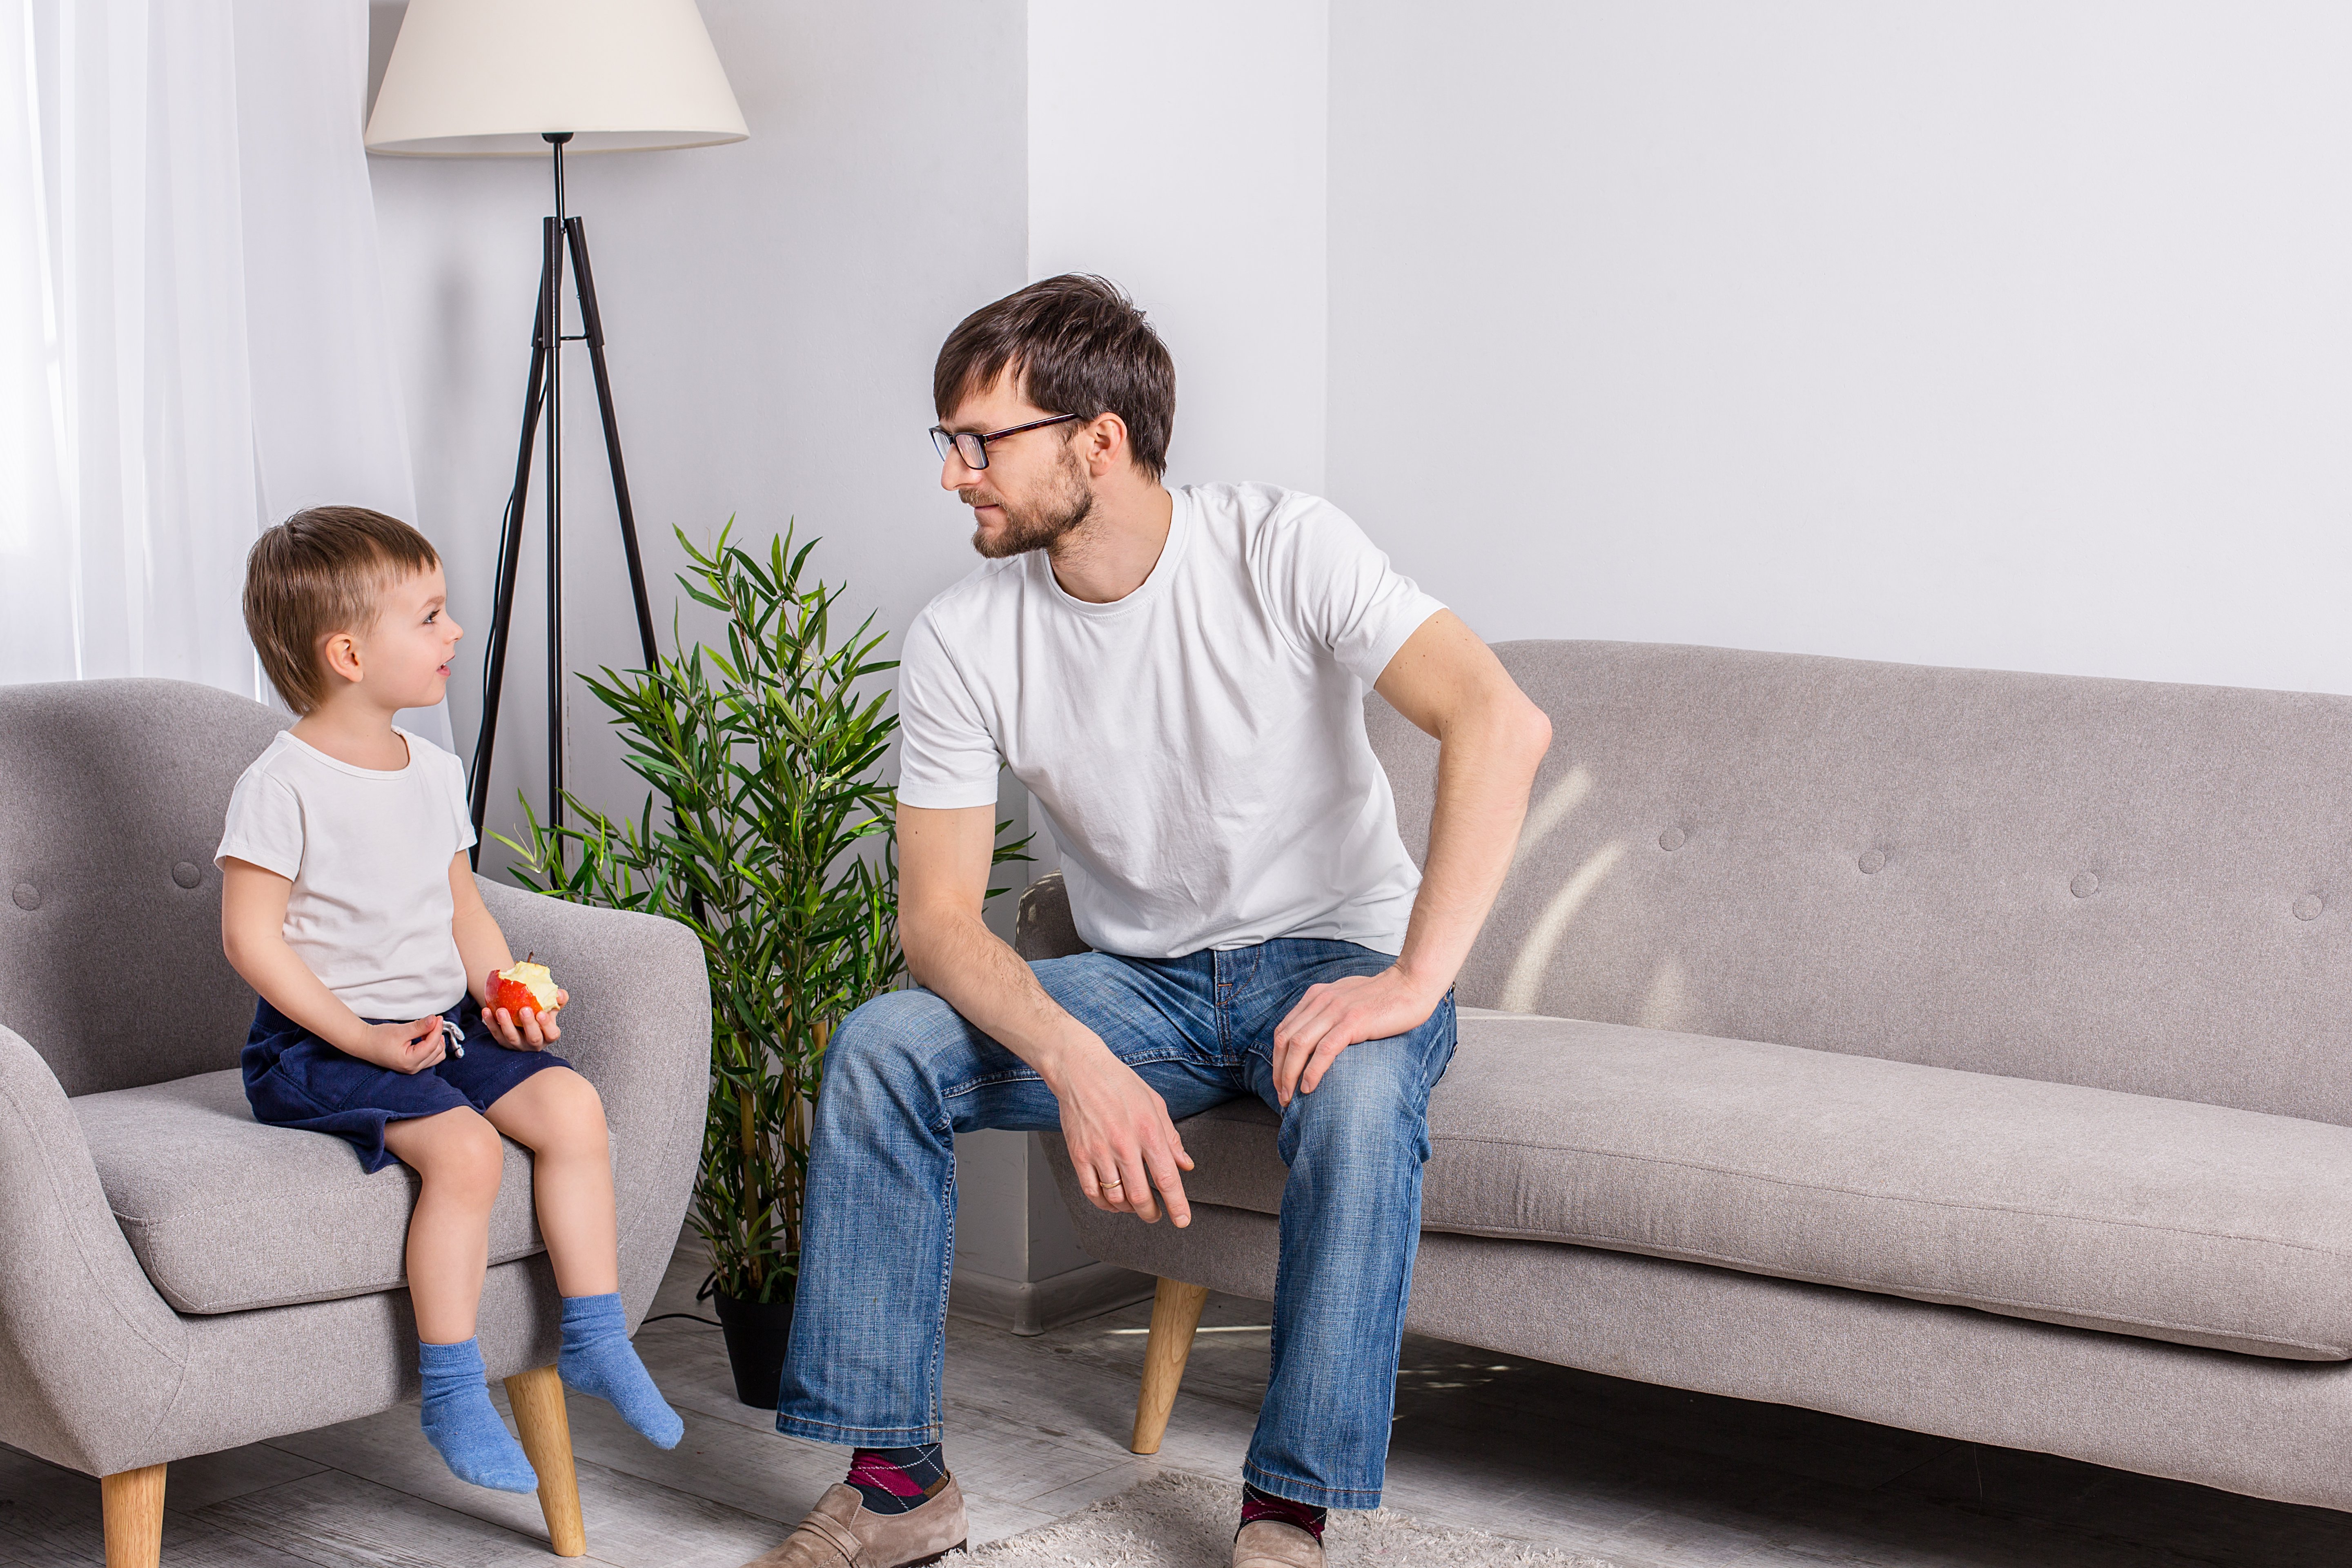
[{"x": 757, "y": 1333}]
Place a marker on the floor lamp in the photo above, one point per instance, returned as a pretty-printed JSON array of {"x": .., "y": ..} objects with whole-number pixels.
[{"x": 504, "y": 78}]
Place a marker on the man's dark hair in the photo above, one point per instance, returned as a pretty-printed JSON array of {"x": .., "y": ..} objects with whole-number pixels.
[{"x": 1078, "y": 345}]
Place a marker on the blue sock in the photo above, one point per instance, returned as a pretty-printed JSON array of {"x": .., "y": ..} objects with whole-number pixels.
[
  {"x": 464, "y": 1425},
  {"x": 598, "y": 1359}
]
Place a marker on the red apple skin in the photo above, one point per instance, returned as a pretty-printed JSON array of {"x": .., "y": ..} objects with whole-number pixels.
[{"x": 512, "y": 995}]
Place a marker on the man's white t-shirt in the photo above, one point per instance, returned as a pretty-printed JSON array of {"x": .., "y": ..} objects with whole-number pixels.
[
  {"x": 1197, "y": 746},
  {"x": 368, "y": 852}
]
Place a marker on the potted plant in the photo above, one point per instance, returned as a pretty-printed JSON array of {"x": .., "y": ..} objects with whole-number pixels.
[{"x": 768, "y": 831}]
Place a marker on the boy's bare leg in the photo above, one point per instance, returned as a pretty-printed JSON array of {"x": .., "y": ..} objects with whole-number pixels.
[
  {"x": 459, "y": 1158},
  {"x": 558, "y": 1116}
]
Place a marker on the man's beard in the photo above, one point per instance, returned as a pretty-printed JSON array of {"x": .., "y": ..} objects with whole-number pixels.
[{"x": 1041, "y": 526}]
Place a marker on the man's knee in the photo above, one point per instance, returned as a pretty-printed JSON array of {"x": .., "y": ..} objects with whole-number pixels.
[
  {"x": 1367, "y": 1098},
  {"x": 882, "y": 1044}
]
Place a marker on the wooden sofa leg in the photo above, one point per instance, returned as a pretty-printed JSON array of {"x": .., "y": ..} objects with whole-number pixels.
[
  {"x": 1175, "y": 1313},
  {"x": 537, "y": 1399},
  {"x": 132, "y": 1502}
]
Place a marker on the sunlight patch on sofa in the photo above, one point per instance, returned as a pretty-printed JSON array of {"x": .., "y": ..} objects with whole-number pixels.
[
  {"x": 1546, "y": 814},
  {"x": 1666, "y": 1004},
  {"x": 1519, "y": 992}
]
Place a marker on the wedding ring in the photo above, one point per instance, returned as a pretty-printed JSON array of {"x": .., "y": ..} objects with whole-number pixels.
[{"x": 1107, "y": 1187}]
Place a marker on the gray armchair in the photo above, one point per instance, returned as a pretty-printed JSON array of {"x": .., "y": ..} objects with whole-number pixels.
[{"x": 176, "y": 1278}]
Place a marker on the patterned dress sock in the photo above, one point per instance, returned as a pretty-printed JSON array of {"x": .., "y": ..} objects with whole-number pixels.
[
  {"x": 1257, "y": 1505},
  {"x": 462, "y": 1423},
  {"x": 598, "y": 1359},
  {"x": 897, "y": 1480}
]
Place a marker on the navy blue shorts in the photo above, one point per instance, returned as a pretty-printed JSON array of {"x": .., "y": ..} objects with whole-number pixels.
[{"x": 292, "y": 1078}]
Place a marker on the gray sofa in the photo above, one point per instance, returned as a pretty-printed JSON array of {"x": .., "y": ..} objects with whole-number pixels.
[
  {"x": 1965, "y": 1051},
  {"x": 174, "y": 1277}
]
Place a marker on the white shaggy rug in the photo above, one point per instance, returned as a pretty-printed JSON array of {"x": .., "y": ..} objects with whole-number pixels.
[{"x": 1183, "y": 1521}]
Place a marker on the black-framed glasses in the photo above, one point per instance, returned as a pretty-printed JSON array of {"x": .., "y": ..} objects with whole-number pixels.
[{"x": 974, "y": 446}]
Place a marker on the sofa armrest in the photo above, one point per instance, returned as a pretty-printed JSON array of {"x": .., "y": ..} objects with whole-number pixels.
[
  {"x": 90, "y": 1356},
  {"x": 1042, "y": 927},
  {"x": 638, "y": 1027}
]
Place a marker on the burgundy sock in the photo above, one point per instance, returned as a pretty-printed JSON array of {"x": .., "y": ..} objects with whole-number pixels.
[
  {"x": 1257, "y": 1505},
  {"x": 897, "y": 1480}
]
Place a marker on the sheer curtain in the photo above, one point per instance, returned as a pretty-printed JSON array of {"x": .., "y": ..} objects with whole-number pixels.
[
  {"x": 126, "y": 441},
  {"x": 193, "y": 339}
]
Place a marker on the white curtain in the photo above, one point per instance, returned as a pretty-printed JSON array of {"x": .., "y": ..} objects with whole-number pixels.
[
  {"x": 126, "y": 441},
  {"x": 193, "y": 338}
]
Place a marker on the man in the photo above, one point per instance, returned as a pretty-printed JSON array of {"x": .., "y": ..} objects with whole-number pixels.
[{"x": 1178, "y": 679}]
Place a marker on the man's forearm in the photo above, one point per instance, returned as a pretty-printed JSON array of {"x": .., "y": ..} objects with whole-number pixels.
[
  {"x": 1486, "y": 762},
  {"x": 953, "y": 953}
]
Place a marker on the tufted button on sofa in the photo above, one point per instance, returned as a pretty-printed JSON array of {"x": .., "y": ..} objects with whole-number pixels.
[
  {"x": 1962, "y": 1050},
  {"x": 176, "y": 1278}
]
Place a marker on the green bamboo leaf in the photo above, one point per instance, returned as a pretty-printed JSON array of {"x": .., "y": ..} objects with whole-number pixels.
[{"x": 767, "y": 831}]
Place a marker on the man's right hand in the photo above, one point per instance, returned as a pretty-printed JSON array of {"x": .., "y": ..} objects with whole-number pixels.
[
  {"x": 403, "y": 1048},
  {"x": 1122, "y": 1141},
  {"x": 1121, "y": 1138}
]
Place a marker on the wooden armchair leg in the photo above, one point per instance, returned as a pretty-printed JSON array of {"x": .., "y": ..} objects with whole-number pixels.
[
  {"x": 537, "y": 1399},
  {"x": 132, "y": 1503},
  {"x": 1175, "y": 1313}
]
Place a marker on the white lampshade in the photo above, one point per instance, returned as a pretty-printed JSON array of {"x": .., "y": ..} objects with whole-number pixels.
[{"x": 485, "y": 78}]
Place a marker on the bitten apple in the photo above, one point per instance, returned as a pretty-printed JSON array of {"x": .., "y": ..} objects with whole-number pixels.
[{"x": 525, "y": 987}]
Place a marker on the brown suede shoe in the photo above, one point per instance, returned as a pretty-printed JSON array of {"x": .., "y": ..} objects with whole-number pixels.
[
  {"x": 1268, "y": 1543},
  {"x": 840, "y": 1533}
]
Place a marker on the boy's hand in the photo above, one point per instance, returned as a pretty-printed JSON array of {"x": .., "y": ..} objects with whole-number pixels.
[
  {"x": 526, "y": 1029},
  {"x": 403, "y": 1048}
]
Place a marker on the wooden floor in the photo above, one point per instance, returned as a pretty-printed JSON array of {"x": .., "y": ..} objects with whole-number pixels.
[{"x": 1647, "y": 1477}]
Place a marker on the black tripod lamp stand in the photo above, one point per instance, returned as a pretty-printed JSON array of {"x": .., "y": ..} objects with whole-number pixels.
[
  {"x": 489, "y": 78},
  {"x": 560, "y": 235}
]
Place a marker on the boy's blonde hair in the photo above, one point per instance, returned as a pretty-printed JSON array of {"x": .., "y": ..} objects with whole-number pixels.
[{"x": 318, "y": 574}]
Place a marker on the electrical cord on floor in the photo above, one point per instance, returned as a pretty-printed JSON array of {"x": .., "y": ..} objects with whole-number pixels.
[{"x": 703, "y": 1292}]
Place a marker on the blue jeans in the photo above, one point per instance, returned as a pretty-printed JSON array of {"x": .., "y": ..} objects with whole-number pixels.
[{"x": 905, "y": 1073}]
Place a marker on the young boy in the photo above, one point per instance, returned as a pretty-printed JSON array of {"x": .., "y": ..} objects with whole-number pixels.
[{"x": 347, "y": 903}]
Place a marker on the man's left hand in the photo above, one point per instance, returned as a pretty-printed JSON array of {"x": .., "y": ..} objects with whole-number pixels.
[{"x": 1338, "y": 1014}]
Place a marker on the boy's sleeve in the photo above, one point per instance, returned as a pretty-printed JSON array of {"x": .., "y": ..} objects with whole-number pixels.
[
  {"x": 461, "y": 804},
  {"x": 1340, "y": 591},
  {"x": 947, "y": 758},
  {"x": 264, "y": 827}
]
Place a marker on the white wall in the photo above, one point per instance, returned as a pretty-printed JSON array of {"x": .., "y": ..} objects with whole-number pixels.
[
  {"x": 1998, "y": 334},
  {"x": 1180, "y": 152},
  {"x": 772, "y": 309}
]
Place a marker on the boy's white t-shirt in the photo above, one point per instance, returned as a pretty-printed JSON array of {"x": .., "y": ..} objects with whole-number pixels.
[
  {"x": 1198, "y": 746},
  {"x": 368, "y": 852}
]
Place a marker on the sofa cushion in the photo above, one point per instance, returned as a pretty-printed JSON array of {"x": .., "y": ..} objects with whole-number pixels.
[
  {"x": 226, "y": 1215},
  {"x": 2197, "y": 1223}
]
